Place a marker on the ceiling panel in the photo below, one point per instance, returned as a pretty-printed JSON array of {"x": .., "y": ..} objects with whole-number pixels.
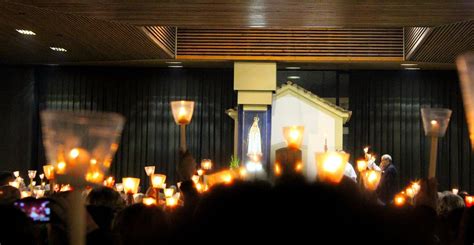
[
  {"x": 269, "y": 13},
  {"x": 363, "y": 44},
  {"x": 444, "y": 43},
  {"x": 85, "y": 39}
]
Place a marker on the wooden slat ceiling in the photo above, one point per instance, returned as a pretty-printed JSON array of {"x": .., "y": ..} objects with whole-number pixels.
[
  {"x": 84, "y": 38},
  {"x": 377, "y": 44},
  {"x": 444, "y": 43},
  {"x": 270, "y": 13}
]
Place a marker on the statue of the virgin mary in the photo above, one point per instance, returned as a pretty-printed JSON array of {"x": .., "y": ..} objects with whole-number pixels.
[{"x": 254, "y": 142}]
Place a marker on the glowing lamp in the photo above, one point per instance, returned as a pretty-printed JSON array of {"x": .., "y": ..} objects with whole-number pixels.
[
  {"x": 16, "y": 174},
  {"x": 362, "y": 165},
  {"x": 169, "y": 192},
  {"x": 130, "y": 185},
  {"x": 399, "y": 200},
  {"x": 455, "y": 191},
  {"x": 371, "y": 179},
  {"x": 331, "y": 165},
  {"x": 119, "y": 187},
  {"x": 465, "y": 65},
  {"x": 31, "y": 174},
  {"x": 469, "y": 201},
  {"x": 149, "y": 170},
  {"x": 410, "y": 192},
  {"x": 149, "y": 201},
  {"x": 182, "y": 111},
  {"x": 222, "y": 177},
  {"x": 14, "y": 184},
  {"x": 435, "y": 123},
  {"x": 195, "y": 179},
  {"x": 25, "y": 194},
  {"x": 80, "y": 145},
  {"x": 200, "y": 172},
  {"x": 48, "y": 171},
  {"x": 158, "y": 180},
  {"x": 171, "y": 202},
  {"x": 109, "y": 182},
  {"x": 293, "y": 136},
  {"x": 416, "y": 187},
  {"x": 206, "y": 164}
]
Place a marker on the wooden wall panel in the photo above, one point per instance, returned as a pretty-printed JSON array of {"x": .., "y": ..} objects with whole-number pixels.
[{"x": 295, "y": 44}]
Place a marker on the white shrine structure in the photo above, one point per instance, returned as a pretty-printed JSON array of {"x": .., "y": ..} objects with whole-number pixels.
[{"x": 323, "y": 123}]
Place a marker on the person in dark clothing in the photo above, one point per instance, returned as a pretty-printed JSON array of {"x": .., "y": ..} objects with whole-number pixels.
[{"x": 388, "y": 184}]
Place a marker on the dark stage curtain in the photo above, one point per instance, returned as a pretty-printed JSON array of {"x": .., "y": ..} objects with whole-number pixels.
[
  {"x": 143, "y": 96},
  {"x": 16, "y": 110},
  {"x": 386, "y": 115}
]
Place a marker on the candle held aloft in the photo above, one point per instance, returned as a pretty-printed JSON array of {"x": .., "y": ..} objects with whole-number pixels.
[
  {"x": 182, "y": 111},
  {"x": 331, "y": 165}
]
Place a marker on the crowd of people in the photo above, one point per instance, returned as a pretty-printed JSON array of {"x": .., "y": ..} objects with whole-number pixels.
[{"x": 288, "y": 210}]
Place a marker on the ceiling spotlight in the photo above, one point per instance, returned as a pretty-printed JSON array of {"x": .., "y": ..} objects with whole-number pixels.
[
  {"x": 173, "y": 62},
  {"x": 26, "y": 32},
  {"x": 293, "y": 77},
  {"x": 292, "y": 67},
  {"x": 408, "y": 64},
  {"x": 257, "y": 26},
  {"x": 59, "y": 49},
  {"x": 412, "y": 68},
  {"x": 175, "y": 66}
]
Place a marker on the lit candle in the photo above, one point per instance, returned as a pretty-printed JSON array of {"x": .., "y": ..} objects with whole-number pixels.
[
  {"x": 171, "y": 202},
  {"x": 182, "y": 111},
  {"x": 361, "y": 165},
  {"x": 299, "y": 167},
  {"x": 149, "y": 201},
  {"x": 195, "y": 179},
  {"x": 331, "y": 165},
  {"x": 119, "y": 187},
  {"x": 94, "y": 175},
  {"x": 416, "y": 187},
  {"x": 277, "y": 169},
  {"x": 410, "y": 192},
  {"x": 31, "y": 174},
  {"x": 149, "y": 170},
  {"x": 109, "y": 182},
  {"x": 130, "y": 185},
  {"x": 25, "y": 194},
  {"x": 293, "y": 136},
  {"x": 14, "y": 184},
  {"x": 169, "y": 192},
  {"x": 455, "y": 191},
  {"x": 206, "y": 164},
  {"x": 372, "y": 179},
  {"x": 158, "y": 180},
  {"x": 399, "y": 200},
  {"x": 469, "y": 201},
  {"x": 200, "y": 172},
  {"x": 16, "y": 174},
  {"x": 48, "y": 171}
]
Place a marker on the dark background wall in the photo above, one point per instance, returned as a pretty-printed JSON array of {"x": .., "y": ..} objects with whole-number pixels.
[{"x": 385, "y": 107}]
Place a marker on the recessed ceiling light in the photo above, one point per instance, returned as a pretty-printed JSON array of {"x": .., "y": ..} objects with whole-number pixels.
[
  {"x": 293, "y": 77},
  {"x": 256, "y": 26},
  {"x": 175, "y": 66},
  {"x": 412, "y": 68},
  {"x": 173, "y": 62},
  {"x": 292, "y": 67},
  {"x": 59, "y": 49},
  {"x": 408, "y": 64},
  {"x": 25, "y": 32}
]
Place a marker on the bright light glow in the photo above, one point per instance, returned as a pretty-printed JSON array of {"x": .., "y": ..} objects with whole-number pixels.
[
  {"x": 119, "y": 187},
  {"x": 415, "y": 186},
  {"x": 410, "y": 192},
  {"x": 175, "y": 66},
  {"x": 149, "y": 201},
  {"x": 254, "y": 167},
  {"x": 195, "y": 179},
  {"x": 332, "y": 163},
  {"x": 455, "y": 191},
  {"x": 366, "y": 149},
  {"x": 292, "y": 67},
  {"x": 434, "y": 122},
  {"x": 206, "y": 164},
  {"x": 149, "y": 170},
  {"x": 130, "y": 185},
  {"x": 200, "y": 172},
  {"x": 93, "y": 161},
  {"x": 293, "y": 77},
  {"x": 173, "y": 62},
  {"x": 277, "y": 169},
  {"x": 26, "y": 32},
  {"x": 361, "y": 165},
  {"x": 408, "y": 64},
  {"x": 412, "y": 68},
  {"x": 171, "y": 202},
  {"x": 61, "y": 167},
  {"x": 58, "y": 49},
  {"x": 158, "y": 180},
  {"x": 299, "y": 167},
  {"x": 14, "y": 184},
  {"x": 399, "y": 200},
  {"x": 169, "y": 192},
  {"x": 16, "y": 174},
  {"x": 74, "y": 153}
]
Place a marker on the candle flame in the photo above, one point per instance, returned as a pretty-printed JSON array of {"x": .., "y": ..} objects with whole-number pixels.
[{"x": 149, "y": 201}]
